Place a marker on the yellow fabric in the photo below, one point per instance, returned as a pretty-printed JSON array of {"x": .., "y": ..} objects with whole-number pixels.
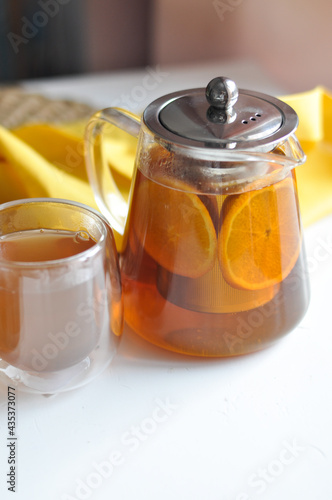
[
  {"x": 315, "y": 134},
  {"x": 24, "y": 171},
  {"x": 41, "y": 160}
]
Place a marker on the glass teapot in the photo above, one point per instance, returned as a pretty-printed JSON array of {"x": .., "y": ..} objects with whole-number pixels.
[{"x": 212, "y": 256}]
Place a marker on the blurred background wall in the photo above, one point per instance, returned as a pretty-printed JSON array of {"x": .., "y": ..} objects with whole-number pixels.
[
  {"x": 36, "y": 41},
  {"x": 290, "y": 39},
  {"x": 40, "y": 38}
]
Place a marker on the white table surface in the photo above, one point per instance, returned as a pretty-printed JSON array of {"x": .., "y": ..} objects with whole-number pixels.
[{"x": 176, "y": 427}]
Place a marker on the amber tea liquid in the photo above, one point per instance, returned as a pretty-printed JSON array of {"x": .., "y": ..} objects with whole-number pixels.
[
  {"x": 200, "y": 311},
  {"x": 49, "y": 319},
  {"x": 38, "y": 245}
]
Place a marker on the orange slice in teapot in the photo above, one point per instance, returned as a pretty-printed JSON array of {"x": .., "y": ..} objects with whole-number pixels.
[
  {"x": 175, "y": 227},
  {"x": 260, "y": 237}
]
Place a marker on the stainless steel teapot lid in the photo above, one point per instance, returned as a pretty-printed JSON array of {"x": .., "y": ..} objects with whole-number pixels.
[{"x": 221, "y": 117}]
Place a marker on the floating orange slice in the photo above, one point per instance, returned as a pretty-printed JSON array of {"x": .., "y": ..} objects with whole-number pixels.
[
  {"x": 260, "y": 236},
  {"x": 175, "y": 228}
]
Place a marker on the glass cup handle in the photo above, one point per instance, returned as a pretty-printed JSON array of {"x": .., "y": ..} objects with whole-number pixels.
[{"x": 107, "y": 195}]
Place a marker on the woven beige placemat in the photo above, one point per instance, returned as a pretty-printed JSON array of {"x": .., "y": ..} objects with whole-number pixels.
[{"x": 18, "y": 107}]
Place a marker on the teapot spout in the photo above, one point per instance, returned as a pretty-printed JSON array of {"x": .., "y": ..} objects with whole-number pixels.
[{"x": 291, "y": 150}]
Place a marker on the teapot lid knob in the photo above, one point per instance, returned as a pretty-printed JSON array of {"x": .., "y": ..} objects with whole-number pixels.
[
  {"x": 221, "y": 116},
  {"x": 221, "y": 93}
]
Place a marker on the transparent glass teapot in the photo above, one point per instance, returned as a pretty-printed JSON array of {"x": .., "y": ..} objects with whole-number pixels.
[{"x": 212, "y": 255}]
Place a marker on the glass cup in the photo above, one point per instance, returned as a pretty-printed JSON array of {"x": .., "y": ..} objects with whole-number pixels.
[{"x": 61, "y": 304}]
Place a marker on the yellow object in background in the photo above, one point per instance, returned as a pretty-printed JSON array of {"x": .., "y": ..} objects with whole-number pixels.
[
  {"x": 315, "y": 134},
  {"x": 43, "y": 160},
  {"x": 26, "y": 172}
]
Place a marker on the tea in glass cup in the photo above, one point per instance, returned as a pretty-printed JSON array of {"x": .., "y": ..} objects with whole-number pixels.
[{"x": 60, "y": 294}]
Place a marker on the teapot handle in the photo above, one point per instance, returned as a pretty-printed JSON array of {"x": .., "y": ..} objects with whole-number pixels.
[{"x": 107, "y": 195}]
